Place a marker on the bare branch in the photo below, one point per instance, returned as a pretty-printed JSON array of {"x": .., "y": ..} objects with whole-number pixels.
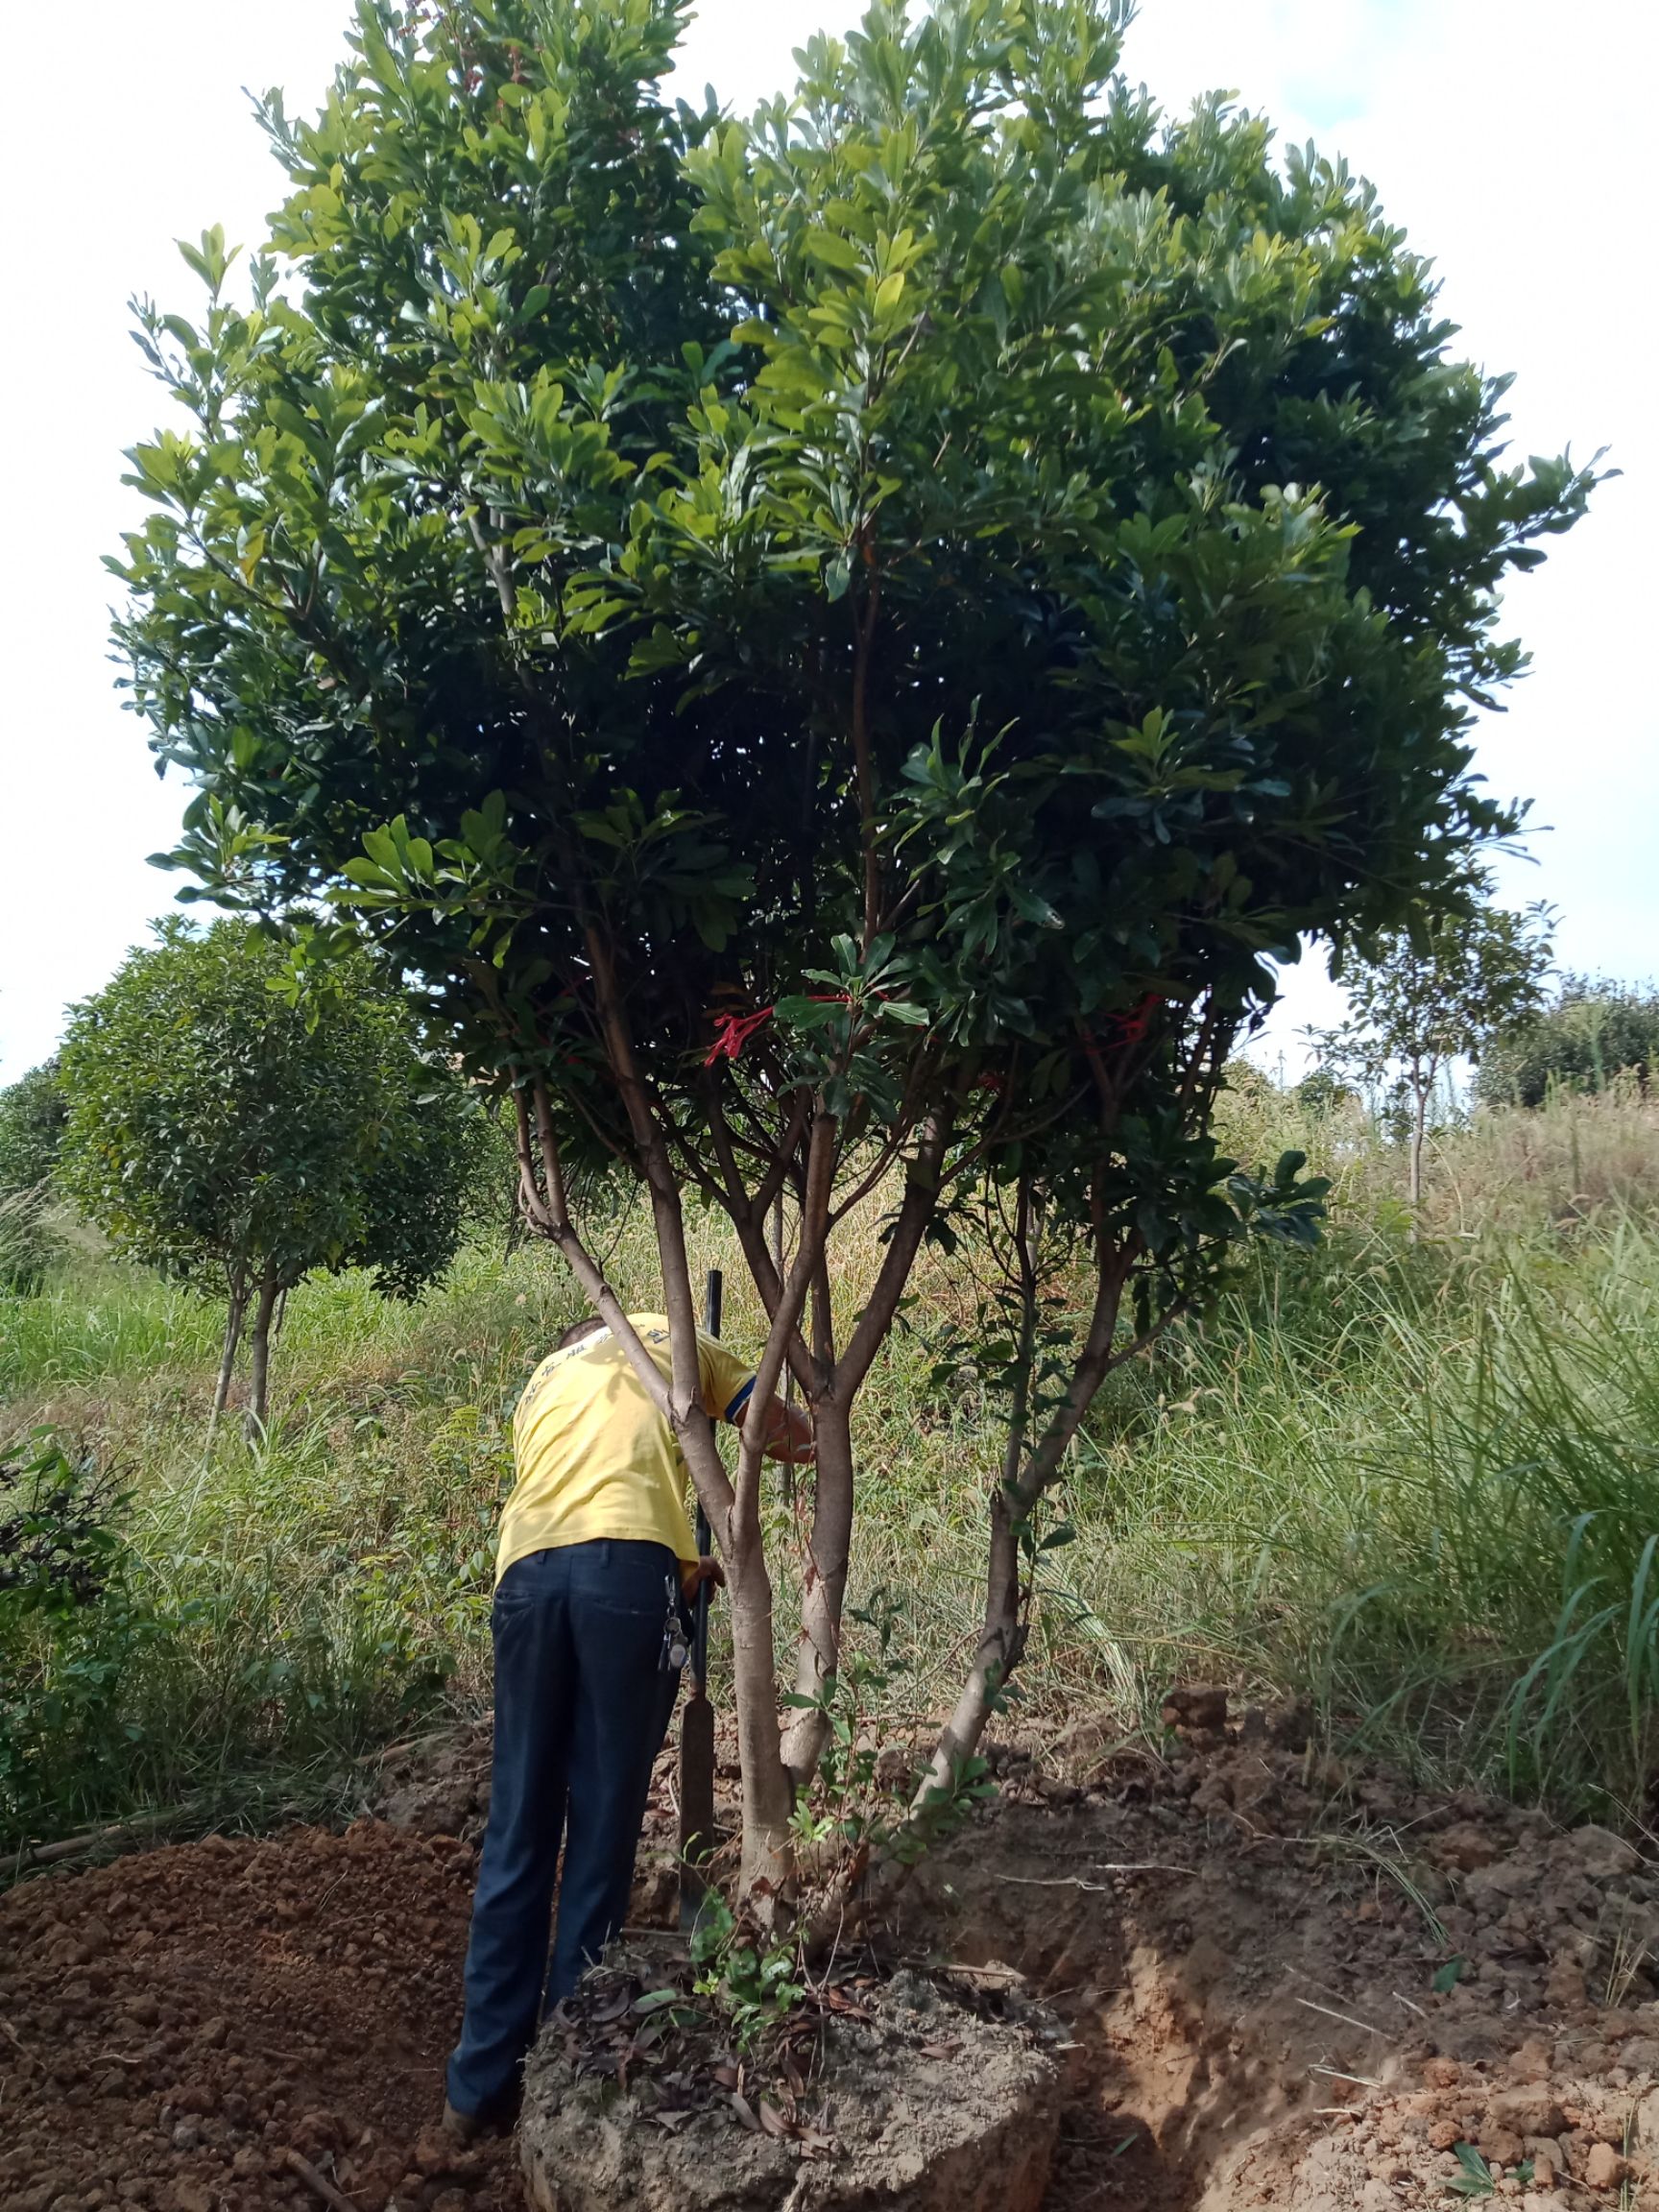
[
  {"x": 813, "y": 1228},
  {"x": 914, "y": 1211}
]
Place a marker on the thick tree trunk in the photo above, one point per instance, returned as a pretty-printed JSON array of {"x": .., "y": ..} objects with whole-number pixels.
[
  {"x": 767, "y": 1863},
  {"x": 822, "y": 1588},
  {"x": 234, "y": 1313},
  {"x": 259, "y": 1356}
]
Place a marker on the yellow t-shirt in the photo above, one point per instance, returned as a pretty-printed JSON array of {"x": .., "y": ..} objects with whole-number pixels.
[{"x": 595, "y": 1459}]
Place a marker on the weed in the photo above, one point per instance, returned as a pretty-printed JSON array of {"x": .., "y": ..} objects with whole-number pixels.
[
  {"x": 29, "y": 1242},
  {"x": 754, "y": 1984},
  {"x": 1631, "y": 1954},
  {"x": 1475, "y": 2177}
]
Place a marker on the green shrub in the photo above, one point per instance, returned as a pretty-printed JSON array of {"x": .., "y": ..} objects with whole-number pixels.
[
  {"x": 32, "y": 1115},
  {"x": 61, "y": 1592},
  {"x": 180, "y": 1655},
  {"x": 29, "y": 1243},
  {"x": 1594, "y": 1032}
]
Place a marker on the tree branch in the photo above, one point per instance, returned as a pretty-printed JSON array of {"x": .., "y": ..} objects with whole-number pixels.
[{"x": 914, "y": 1211}]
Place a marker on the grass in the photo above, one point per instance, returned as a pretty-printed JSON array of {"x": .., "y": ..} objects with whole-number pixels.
[
  {"x": 1415, "y": 1482},
  {"x": 1430, "y": 1506}
]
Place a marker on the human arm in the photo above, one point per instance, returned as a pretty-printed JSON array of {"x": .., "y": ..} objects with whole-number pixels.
[
  {"x": 694, "y": 1573},
  {"x": 727, "y": 1388},
  {"x": 787, "y": 1432}
]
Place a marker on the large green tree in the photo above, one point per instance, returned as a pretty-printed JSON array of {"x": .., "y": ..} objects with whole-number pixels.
[
  {"x": 239, "y": 1141},
  {"x": 838, "y": 649}
]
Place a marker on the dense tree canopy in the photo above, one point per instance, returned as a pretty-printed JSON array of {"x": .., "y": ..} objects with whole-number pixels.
[
  {"x": 32, "y": 1115},
  {"x": 238, "y": 1142},
  {"x": 1058, "y": 463},
  {"x": 839, "y": 644},
  {"x": 1592, "y": 1032}
]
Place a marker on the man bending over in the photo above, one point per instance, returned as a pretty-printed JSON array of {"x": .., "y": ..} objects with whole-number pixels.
[{"x": 595, "y": 1561}]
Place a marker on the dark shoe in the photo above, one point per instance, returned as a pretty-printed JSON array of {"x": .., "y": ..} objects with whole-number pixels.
[{"x": 462, "y": 2128}]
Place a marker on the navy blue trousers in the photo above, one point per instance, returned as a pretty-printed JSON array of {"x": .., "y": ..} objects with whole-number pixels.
[{"x": 581, "y": 1705}]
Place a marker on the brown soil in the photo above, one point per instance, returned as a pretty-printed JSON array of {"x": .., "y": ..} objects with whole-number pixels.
[{"x": 1242, "y": 1940}]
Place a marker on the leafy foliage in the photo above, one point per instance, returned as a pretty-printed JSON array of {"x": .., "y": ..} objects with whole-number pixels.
[
  {"x": 1592, "y": 1032},
  {"x": 32, "y": 1116},
  {"x": 229, "y": 1136},
  {"x": 754, "y": 1983},
  {"x": 850, "y": 639}
]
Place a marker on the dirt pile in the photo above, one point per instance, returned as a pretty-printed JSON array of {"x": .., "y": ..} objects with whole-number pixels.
[
  {"x": 1286, "y": 1982},
  {"x": 174, "y": 2026}
]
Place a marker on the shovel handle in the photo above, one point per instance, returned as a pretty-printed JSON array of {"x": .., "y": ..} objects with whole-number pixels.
[{"x": 714, "y": 1301}]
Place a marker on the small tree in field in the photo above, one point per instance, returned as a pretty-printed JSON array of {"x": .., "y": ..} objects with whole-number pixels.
[
  {"x": 1447, "y": 987},
  {"x": 238, "y": 1142},
  {"x": 836, "y": 649}
]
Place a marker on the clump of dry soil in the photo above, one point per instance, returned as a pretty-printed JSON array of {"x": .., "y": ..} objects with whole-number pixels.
[{"x": 174, "y": 2025}]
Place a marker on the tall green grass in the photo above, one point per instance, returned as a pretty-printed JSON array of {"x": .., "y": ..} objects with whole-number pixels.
[
  {"x": 1415, "y": 1482},
  {"x": 1432, "y": 1505}
]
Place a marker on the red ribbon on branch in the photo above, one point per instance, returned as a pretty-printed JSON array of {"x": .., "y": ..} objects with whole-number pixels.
[
  {"x": 1132, "y": 1027},
  {"x": 733, "y": 1031}
]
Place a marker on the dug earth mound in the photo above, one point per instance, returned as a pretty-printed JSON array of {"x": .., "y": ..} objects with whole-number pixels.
[{"x": 1285, "y": 1983}]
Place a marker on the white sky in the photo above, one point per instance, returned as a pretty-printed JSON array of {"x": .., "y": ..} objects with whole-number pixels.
[{"x": 1508, "y": 139}]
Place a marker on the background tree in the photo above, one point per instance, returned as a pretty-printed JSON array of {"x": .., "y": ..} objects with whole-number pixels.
[
  {"x": 836, "y": 650},
  {"x": 1446, "y": 987},
  {"x": 238, "y": 1142},
  {"x": 1593, "y": 1032},
  {"x": 31, "y": 1117}
]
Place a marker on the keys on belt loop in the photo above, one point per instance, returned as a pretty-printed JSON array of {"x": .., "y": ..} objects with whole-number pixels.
[{"x": 676, "y": 1646}]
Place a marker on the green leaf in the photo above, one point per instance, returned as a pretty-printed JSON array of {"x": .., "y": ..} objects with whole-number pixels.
[
  {"x": 1448, "y": 1977},
  {"x": 837, "y": 251},
  {"x": 889, "y": 292},
  {"x": 1475, "y": 2177}
]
